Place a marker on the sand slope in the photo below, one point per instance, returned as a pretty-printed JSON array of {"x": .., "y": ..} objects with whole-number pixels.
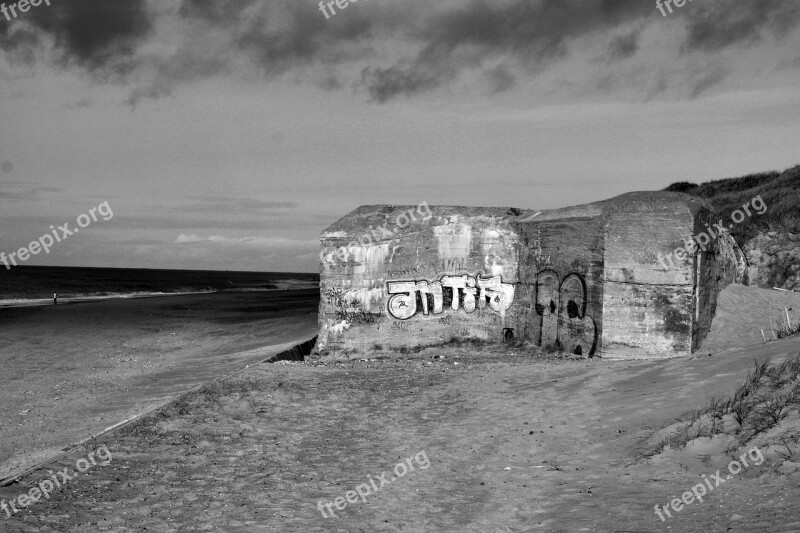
[
  {"x": 742, "y": 312},
  {"x": 72, "y": 370},
  {"x": 515, "y": 444}
]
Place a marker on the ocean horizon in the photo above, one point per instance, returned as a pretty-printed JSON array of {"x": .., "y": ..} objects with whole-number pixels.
[{"x": 30, "y": 285}]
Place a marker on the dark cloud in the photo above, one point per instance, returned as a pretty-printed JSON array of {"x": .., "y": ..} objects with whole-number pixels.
[
  {"x": 532, "y": 32},
  {"x": 623, "y": 46},
  {"x": 437, "y": 43},
  {"x": 274, "y": 37},
  {"x": 93, "y": 34},
  {"x": 218, "y": 12},
  {"x": 303, "y": 37},
  {"x": 538, "y": 32},
  {"x": 716, "y": 25},
  {"x": 18, "y": 43},
  {"x": 433, "y": 67}
]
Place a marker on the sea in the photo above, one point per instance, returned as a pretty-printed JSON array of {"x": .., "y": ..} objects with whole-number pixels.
[{"x": 36, "y": 285}]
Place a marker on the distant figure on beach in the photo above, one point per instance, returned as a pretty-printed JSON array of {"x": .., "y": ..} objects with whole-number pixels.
[{"x": 55, "y": 299}]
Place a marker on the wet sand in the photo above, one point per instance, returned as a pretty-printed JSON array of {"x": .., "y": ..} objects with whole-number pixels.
[{"x": 69, "y": 371}]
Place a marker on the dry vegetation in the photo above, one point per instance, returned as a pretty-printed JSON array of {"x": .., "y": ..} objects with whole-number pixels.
[
  {"x": 779, "y": 190},
  {"x": 769, "y": 396}
]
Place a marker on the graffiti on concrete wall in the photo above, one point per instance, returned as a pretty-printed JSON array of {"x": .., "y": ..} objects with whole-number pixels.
[
  {"x": 357, "y": 315},
  {"x": 335, "y": 296},
  {"x": 561, "y": 312},
  {"x": 558, "y": 307},
  {"x": 470, "y": 292},
  {"x": 351, "y": 309}
]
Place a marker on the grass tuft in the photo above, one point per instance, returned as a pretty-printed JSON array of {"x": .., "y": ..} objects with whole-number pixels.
[{"x": 768, "y": 395}]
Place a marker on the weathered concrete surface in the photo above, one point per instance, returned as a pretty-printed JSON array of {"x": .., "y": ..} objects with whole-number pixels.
[
  {"x": 611, "y": 278},
  {"x": 427, "y": 282},
  {"x": 647, "y": 308},
  {"x": 562, "y": 273}
]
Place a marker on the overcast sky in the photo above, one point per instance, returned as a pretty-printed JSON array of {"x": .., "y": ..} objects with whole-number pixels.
[{"x": 228, "y": 134}]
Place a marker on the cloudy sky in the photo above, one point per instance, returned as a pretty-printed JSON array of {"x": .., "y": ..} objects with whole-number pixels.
[{"x": 226, "y": 134}]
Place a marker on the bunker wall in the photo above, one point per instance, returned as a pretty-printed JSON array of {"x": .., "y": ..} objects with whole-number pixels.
[
  {"x": 611, "y": 278},
  {"x": 451, "y": 276}
]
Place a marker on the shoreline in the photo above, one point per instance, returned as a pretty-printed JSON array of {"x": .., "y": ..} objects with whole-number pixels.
[
  {"x": 72, "y": 372},
  {"x": 46, "y": 302},
  {"x": 63, "y": 300}
]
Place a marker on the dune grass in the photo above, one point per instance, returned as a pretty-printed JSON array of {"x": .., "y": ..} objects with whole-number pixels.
[
  {"x": 769, "y": 394},
  {"x": 787, "y": 330},
  {"x": 781, "y": 328},
  {"x": 779, "y": 190}
]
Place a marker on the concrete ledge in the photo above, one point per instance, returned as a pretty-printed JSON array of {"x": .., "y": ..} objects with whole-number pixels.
[{"x": 295, "y": 353}]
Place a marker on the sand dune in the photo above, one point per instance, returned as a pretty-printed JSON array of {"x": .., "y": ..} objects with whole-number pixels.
[{"x": 742, "y": 312}]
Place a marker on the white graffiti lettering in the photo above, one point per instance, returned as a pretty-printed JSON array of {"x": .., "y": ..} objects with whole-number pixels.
[{"x": 473, "y": 292}]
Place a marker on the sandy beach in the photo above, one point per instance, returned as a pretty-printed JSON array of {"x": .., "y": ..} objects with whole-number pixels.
[
  {"x": 72, "y": 370},
  {"x": 516, "y": 442}
]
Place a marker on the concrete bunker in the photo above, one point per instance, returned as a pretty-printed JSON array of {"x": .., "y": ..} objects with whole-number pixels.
[{"x": 599, "y": 279}]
